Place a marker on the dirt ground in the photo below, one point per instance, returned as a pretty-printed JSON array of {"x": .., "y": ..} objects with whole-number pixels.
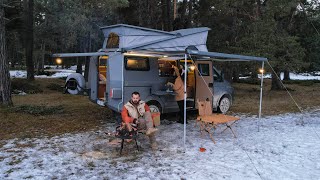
[
  {"x": 51, "y": 112},
  {"x": 305, "y": 95}
]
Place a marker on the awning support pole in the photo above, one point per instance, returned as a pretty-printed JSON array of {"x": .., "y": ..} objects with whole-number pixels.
[
  {"x": 185, "y": 102},
  {"x": 262, "y": 72}
]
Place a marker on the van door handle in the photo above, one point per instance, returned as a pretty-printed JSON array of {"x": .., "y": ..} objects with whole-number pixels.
[{"x": 210, "y": 85}]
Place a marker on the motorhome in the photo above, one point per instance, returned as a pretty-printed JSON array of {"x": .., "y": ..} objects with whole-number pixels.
[{"x": 141, "y": 59}]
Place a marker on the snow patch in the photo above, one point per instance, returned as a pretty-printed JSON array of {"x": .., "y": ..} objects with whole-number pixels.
[{"x": 277, "y": 146}]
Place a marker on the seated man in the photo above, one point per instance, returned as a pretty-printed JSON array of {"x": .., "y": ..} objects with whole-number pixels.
[{"x": 138, "y": 112}]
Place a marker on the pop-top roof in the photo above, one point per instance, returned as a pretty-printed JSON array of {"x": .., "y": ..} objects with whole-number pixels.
[{"x": 140, "y": 38}]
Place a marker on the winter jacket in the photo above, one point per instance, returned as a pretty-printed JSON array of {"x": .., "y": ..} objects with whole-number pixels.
[
  {"x": 131, "y": 112},
  {"x": 178, "y": 87}
]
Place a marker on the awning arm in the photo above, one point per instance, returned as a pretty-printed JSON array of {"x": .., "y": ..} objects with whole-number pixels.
[
  {"x": 61, "y": 55},
  {"x": 224, "y": 56}
]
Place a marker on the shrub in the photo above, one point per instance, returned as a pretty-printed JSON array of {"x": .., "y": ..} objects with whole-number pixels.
[
  {"x": 249, "y": 81},
  {"x": 37, "y": 110},
  {"x": 54, "y": 87},
  {"x": 302, "y": 82},
  {"x": 25, "y": 86}
]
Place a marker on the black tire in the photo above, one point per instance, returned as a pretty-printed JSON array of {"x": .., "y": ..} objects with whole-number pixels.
[
  {"x": 224, "y": 104},
  {"x": 78, "y": 83}
]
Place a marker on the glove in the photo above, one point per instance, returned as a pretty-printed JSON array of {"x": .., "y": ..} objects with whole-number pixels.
[{"x": 135, "y": 121}]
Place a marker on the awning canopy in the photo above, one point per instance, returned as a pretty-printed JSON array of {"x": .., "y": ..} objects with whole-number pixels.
[
  {"x": 200, "y": 55},
  {"x": 223, "y": 56},
  {"x": 172, "y": 55}
]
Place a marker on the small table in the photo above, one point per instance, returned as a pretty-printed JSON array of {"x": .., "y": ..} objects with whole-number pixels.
[
  {"x": 164, "y": 93},
  {"x": 209, "y": 123}
]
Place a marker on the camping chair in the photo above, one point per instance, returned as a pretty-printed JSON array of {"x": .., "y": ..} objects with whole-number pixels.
[
  {"x": 208, "y": 121},
  {"x": 124, "y": 134}
]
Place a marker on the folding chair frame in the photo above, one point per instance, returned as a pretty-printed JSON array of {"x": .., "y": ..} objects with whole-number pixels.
[{"x": 211, "y": 126}]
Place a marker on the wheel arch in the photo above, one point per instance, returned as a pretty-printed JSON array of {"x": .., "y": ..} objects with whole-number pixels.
[
  {"x": 225, "y": 95},
  {"x": 155, "y": 100}
]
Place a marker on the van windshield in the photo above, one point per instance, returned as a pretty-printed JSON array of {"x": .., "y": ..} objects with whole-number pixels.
[{"x": 216, "y": 74}]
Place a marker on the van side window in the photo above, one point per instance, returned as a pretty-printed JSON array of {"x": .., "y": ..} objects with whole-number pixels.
[
  {"x": 137, "y": 63},
  {"x": 165, "y": 68},
  {"x": 204, "y": 69}
]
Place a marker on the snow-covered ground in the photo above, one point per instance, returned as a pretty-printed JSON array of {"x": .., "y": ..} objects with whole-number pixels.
[
  {"x": 56, "y": 70},
  {"x": 275, "y": 147},
  {"x": 293, "y": 76},
  {"x": 59, "y": 73},
  {"x": 302, "y": 76}
]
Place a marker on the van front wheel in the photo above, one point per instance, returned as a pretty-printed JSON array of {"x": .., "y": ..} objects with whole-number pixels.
[
  {"x": 154, "y": 107},
  {"x": 224, "y": 105}
]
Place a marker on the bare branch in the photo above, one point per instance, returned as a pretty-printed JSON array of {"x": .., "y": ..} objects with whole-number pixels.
[
  {"x": 6, "y": 6},
  {"x": 10, "y": 20}
]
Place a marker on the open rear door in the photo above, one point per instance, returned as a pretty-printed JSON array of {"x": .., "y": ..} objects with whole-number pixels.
[{"x": 204, "y": 81}]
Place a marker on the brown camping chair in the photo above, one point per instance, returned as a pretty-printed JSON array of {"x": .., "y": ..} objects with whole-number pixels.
[{"x": 208, "y": 121}]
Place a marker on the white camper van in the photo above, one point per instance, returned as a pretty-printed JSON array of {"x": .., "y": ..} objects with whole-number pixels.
[{"x": 140, "y": 59}]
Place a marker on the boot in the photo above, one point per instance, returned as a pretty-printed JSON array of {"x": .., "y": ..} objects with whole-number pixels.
[
  {"x": 153, "y": 143},
  {"x": 151, "y": 131}
]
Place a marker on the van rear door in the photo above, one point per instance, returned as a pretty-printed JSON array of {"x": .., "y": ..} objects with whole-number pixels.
[{"x": 204, "y": 81}]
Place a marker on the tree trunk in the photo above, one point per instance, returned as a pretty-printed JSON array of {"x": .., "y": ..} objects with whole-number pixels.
[
  {"x": 169, "y": 16},
  {"x": 174, "y": 9},
  {"x": 235, "y": 74},
  {"x": 189, "y": 21},
  {"x": 227, "y": 71},
  {"x": 286, "y": 75},
  {"x": 163, "y": 14},
  {"x": 79, "y": 66},
  {"x": 87, "y": 62},
  {"x": 276, "y": 83},
  {"x": 40, "y": 63},
  {"x": 254, "y": 73},
  {"x": 166, "y": 15},
  {"x": 141, "y": 9},
  {"x": 5, "y": 84},
  {"x": 28, "y": 8},
  {"x": 37, "y": 64}
]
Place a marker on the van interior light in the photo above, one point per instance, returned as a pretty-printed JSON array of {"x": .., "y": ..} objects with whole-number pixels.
[
  {"x": 59, "y": 61},
  {"x": 131, "y": 62},
  {"x": 131, "y": 53},
  {"x": 104, "y": 57},
  {"x": 192, "y": 68},
  {"x": 137, "y": 54}
]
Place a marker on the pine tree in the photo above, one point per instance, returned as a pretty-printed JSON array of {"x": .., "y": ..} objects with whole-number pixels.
[
  {"x": 5, "y": 84},
  {"x": 28, "y": 37}
]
